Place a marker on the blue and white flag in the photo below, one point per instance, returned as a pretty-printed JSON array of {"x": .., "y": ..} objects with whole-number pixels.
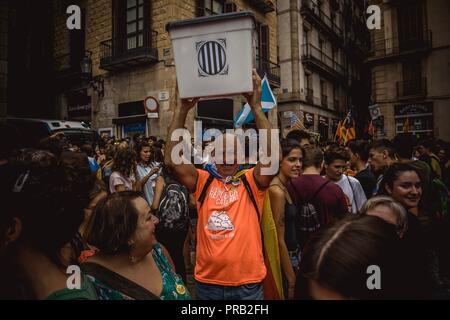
[{"x": 268, "y": 102}]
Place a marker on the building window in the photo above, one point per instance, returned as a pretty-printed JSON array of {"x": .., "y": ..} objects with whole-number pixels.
[
  {"x": 412, "y": 78},
  {"x": 323, "y": 92},
  {"x": 262, "y": 47},
  {"x": 412, "y": 69},
  {"x": 305, "y": 35},
  {"x": 135, "y": 23},
  {"x": 321, "y": 47},
  {"x": 309, "y": 88},
  {"x": 323, "y": 128},
  {"x": 410, "y": 25},
  {"x": 210, "y": 7},
  {"x": 131, "y": 24},
  {"x": 336, "y": 97}
]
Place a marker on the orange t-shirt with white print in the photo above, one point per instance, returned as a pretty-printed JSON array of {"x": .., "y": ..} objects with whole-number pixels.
[{"x": 229, "y": 247}]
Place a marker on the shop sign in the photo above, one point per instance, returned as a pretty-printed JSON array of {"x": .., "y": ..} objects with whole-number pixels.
[
  {"x": 414, "y": 108},
  {"x": 323, "y": 121},
  {"x": 308, "y": 119}
]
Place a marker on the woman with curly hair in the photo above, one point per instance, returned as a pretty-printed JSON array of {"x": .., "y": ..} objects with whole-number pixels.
[{"x": 123, "y": 177}]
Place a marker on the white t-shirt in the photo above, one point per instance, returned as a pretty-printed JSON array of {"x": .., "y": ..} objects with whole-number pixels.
[
  {"x": 354, "y": 193},
  {"x": 117, "y": 179}
]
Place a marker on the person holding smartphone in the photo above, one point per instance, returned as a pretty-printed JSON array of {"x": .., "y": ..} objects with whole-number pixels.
[{"x": 144, "y": 167}]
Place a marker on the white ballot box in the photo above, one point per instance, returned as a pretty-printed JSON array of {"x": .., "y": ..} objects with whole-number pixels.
[{"x": 214, "y": 55}]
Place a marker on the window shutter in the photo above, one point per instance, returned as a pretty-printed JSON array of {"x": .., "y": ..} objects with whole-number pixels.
[{"x": 230, "y": 7}]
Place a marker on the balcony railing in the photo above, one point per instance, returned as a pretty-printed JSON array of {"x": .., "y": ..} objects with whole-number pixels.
[
  {"x": 264, "y": 6},
  {"x": 309, "y": 95},
  {"x": 399, "y": 45},
  {"x": 271, "y": 69},
  {"x": 320, "y": 59},
  {"x": 324, "y": 101},
  {"x": 312, "y": 10},
  {"x": 129, "y": 50},
  {"x": 412, "y": 88}
]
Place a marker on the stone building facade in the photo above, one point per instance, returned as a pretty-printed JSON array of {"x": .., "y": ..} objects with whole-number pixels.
[
  {"x": 322, "y": 48},
  {"x": 131, "y": 56},
  {"x": 410, "y": 66}
]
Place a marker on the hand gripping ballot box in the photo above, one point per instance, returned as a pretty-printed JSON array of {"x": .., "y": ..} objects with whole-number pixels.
[{"x": 214, "y": 56}]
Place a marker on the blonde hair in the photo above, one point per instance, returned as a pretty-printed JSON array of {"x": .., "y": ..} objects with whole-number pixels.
[{"x": 401, "y": 217}]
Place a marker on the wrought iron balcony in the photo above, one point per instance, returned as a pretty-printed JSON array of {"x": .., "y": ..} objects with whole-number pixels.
[
  {"x": 317, "y": 59},
  {"x": 401, "y": 45},
  {"x": 311, "y": 11},
  {"x": 130, "y": 50},
  {"x": 264, "y": 6},
  {"x": 271, "y": 69},
  {"x": 412, "y": 88}
]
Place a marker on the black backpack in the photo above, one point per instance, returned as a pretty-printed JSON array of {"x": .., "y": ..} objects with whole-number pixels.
[
  {"x": 308, "y": 217},
  {"x": 173, "y": 210}
]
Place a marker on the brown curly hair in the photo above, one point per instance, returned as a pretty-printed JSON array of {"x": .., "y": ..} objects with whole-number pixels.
[{"x": 125, "y": 162}]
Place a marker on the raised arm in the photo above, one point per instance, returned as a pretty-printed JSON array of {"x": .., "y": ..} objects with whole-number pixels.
[
  {"x": 158, "y": 193},
  {"x": 254, "y": 100},
  {"x": 139, "y": 184},
  {"x": 186, "y": 173}
]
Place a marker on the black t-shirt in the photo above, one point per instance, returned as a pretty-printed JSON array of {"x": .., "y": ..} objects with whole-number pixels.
[
  {"x": 417, "y": 274},
  {"x": 367, "y": 180}
]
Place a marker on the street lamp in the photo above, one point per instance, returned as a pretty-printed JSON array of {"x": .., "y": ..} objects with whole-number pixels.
[
  {"x": 86, "y": 65},
  {"x": 97, "y": 83}
]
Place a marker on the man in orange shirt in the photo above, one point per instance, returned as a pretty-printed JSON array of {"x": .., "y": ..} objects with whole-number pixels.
[{"x": 230, "y": 262}]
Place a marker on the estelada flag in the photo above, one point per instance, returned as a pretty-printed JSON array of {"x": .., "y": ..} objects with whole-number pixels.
[
  {"x": 406, "y": 126},
  {"x": 350, "y": 133},
  {"x": 337, "y": 135},
  {"x": 371, "y": 129}
]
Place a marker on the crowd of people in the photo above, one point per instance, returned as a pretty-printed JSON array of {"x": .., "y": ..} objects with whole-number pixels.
[{"x": 128, "y": 215}]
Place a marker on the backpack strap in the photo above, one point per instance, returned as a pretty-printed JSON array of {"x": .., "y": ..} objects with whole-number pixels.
[
  {"x": 117, "y": 282},
  {"x": 210, "y": 179},
  {"x": 251, "y": 195},
  {"x": 353, "y": 193},
  {"x": 202, "y": 197},
  {"x": 318, "y": 190},
  {"x": 252, "y": 198},
  {"x": 314, "y": 195}
]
